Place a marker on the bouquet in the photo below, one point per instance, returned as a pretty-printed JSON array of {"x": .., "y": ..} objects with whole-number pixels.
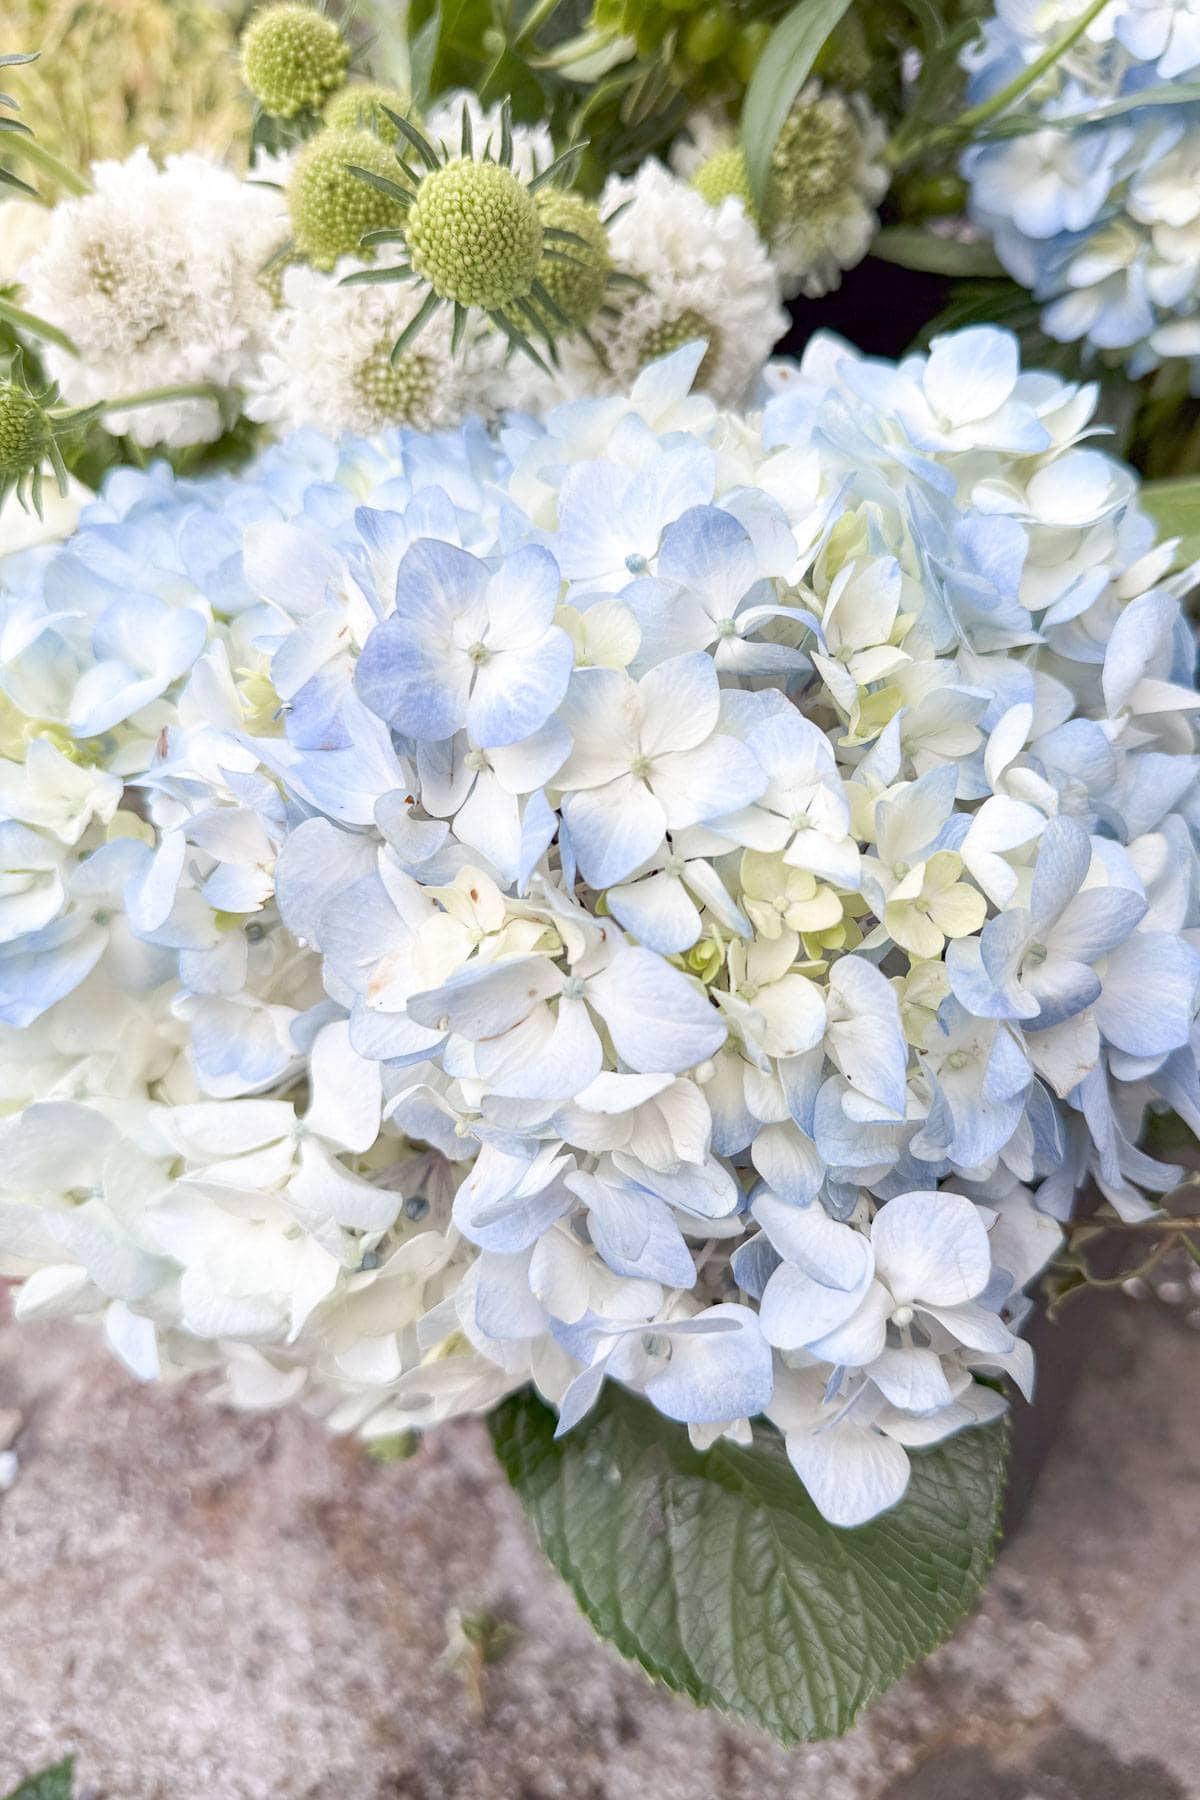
[{"x": 556, "y": 866}]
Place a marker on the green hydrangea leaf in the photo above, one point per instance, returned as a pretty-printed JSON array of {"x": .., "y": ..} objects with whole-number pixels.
[
  {"x": 52, "y": 1784},
  {"x": 781, "y": 71},
  {"x": 715, "y": 1571}
]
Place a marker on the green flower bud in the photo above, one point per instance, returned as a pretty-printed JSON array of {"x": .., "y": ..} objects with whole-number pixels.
[
  {"x": 748, "y": 47},
  {"x": 330, "y": 207},
  {"x": 672, "y": 334},
  {"x": 292, "y": 59},
  {"x": 815, "y": 160},
  {"x": 395, "y": 393},
  {"x": 360, "y": 107},
  {"x": 576, "y": 287},
  {"x": 707, "y": 35},
  {"x": 474, "y": 233},
  {"x": 26, "y": 434},
  {"x": 724, "y": 175}
]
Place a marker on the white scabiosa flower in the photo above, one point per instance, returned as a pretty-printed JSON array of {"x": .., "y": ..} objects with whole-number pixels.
[
  {"x": 157, "y": 277},
  {"x": 330, "y": 363},
  {"x": 704, "y": 273},
  {"x": 827, "y": 176}
]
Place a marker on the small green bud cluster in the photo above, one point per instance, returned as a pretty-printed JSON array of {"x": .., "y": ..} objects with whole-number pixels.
[
  {"x": 724, "y": 175},
  {"x": 576, "y": 286},
  {"x": 475, "y": 234},
  {"x": 292, "y": 59},
  {"x": 364, "y": 106},
  {"x": 26, "y": 434},
  {"x": 673, "y": 334},
  {"x": 330, "y": 207},
  {"x": 815, "y": 160},
  {"x": 395, "y": 393}
]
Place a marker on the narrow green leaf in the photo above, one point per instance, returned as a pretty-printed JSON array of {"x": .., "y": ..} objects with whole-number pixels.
[
  {"x": 460, "y": 325},
  {"x": 392, "y": 189},
  {"x": 422, "y": 56},
  {"x": 415, "y": 325},
  {"x": 1172, "y": 93},
  {"x": 377, "y": 277},
  {"x": 518, "y": 340},
  {"x": 909, "y": 247},
  {"x": 559, "y": 166},
  {"x": 14, "y": 181},
  {"x": 1175, "y": 508},
  {"x": 782, "y": 70},
  {"x": 16, "y": 57},
  {"x": 55, "y": 1783},
  {"x": 716, "y": 1572},
  {"x": 419, "y": 142}
]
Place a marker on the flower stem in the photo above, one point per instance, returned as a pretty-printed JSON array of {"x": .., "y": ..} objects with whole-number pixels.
[
  {"x": 21, "y": 320},
  {"x": 534, "y": 19},
  {"x": 969, "y": 121},
  {"x": 48, "y": 163},
  {"x": 186, "y": 390}
]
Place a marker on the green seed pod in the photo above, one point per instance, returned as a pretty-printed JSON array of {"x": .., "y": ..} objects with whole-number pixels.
[
  {"x": 26, "y": 434},
  {"x": 474, "y": 233},
  {"x": 724, "y": 175},
  {"x": 576, "y": 287},
  {"x": 360, "y": 107},
  {"x": 331, "y": 207},
  {"x": 292, "y": 59}
]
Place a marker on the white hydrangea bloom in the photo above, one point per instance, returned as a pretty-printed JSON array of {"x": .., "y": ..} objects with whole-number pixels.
[
  {"x": 663, "y": 895},
  {"x": 1099, "y": 218},
  {"x": 157, "y": 278}
]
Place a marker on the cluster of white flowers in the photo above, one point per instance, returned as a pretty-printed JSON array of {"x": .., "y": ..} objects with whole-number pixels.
[
  {"x": 1096, "y": 208},
  {"x": 157, "y": 277},
  {"x": 666, "y": 894}
]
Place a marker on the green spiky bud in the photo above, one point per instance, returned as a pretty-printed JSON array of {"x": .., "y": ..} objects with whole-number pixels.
[
  {"x": 292, "y": 59},
  {"x": 26, "y": 434},
  {"x": 815, "y": 160},
  {"x": 674, "y": 333},
  {"x": 724, "y": 176},
  {"x": 474, "y": 233},
  {"x": 360, "y": 106},
  {"x": 576, "y": 287},
  {"x": 330, "y": 206}
]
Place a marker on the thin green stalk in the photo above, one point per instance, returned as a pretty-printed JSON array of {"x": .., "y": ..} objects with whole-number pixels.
[
  {"x": 27, "y": 321},
  {"x": 47, "y": 162},
  {"x": 969, "y": 121},
  {"x": 187, "y": 390},
  {"x": 533, "y": 21}
]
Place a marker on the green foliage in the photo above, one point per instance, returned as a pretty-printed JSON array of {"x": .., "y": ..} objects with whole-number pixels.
[
  {"x": 716, "y": 1572},
  {"x": 1175, "y": 508},
  {"x": 52, "y": 1784},
  {"x": 784, "y": 67},
  {"x": 13, "y": 127}
]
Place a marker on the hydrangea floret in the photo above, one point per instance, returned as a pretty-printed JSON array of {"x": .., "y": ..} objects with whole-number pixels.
[
  {"x": 1092, "y": 199},
  {"x": 661, "y": 895}
]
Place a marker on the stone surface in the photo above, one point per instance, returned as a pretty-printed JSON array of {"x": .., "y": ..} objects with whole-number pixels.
[{"x": 204, "y": 1606}]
